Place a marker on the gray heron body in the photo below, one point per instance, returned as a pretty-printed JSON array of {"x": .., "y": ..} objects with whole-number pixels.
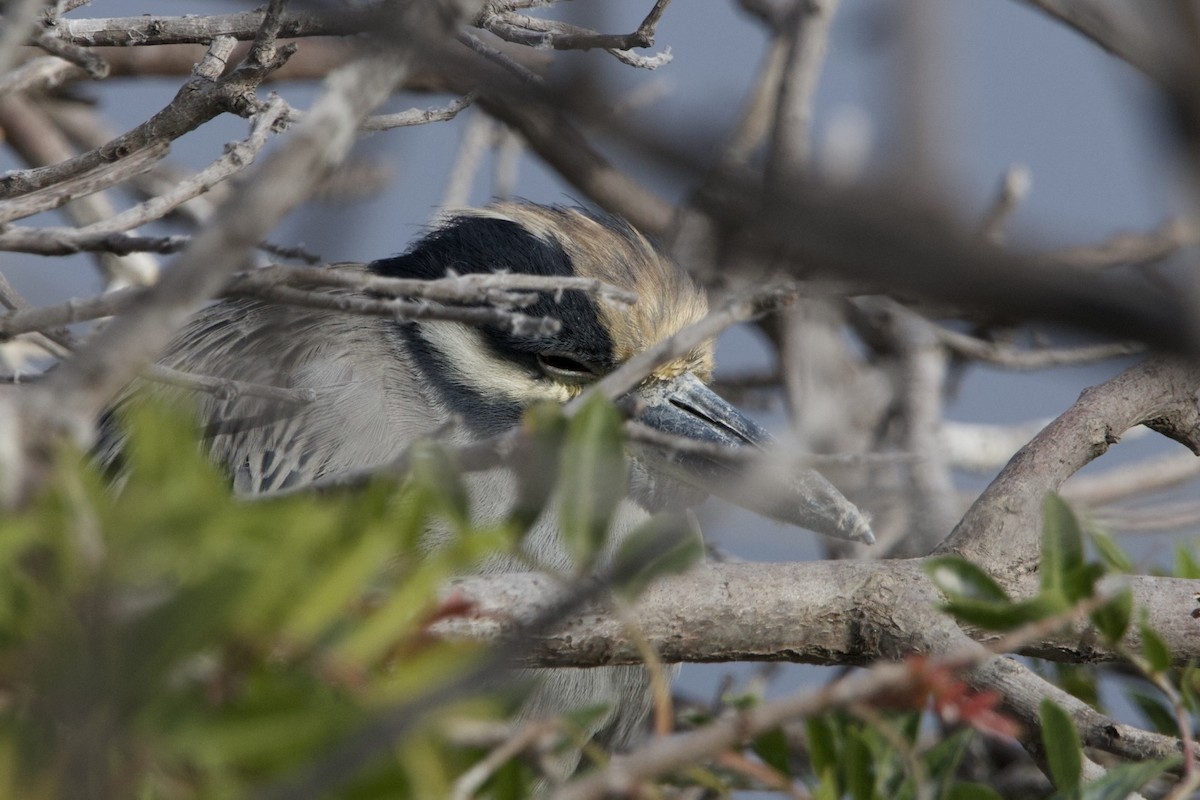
[{"x": 379, "y": 384}]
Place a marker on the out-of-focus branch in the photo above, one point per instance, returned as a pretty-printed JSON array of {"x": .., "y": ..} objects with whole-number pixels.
[
  {"x": 201, "y": 98},
  {"x": 740, "y": 308},
  {"x": 1002, "y": 355},
  {"x": 552, "y": 136},
  {"x": 20, "y": 17},
  {"x": 94, "y": 180},
  {"x": 151, "y": 29},
  {"x": 541, "y": 33},
  {"x": 1101, "y": 23},
  {"x": 78, "y": 390},
  {"x": 807, "y": 40},
  {"x": 1140, "y": 478},
  {"x": 1014, "y": 186},
  {"x": 1131, "y": 249}
]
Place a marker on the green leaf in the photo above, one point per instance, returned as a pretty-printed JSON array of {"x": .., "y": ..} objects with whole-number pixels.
[
  {"x": 1154, "y": 648},
  {"x": 1079, "y": 583},
  {"x": 1189, "y": 687},
  {"x": 1064, "y": 753},
  {"x": 1110, "y": 551},
  {"x": 1004, "y": 616},
  {"x": 1062, "y": 549},
  {"x": 1157, "y": 713},
  {"x": 594, "y": 477},
  {"x": 665, "y": 544},
  {"x": 537, "y": 466},
  {"x": 827, "y": 785},
  {"x": 858, "y": 766},
  {"x": 959, "y": 579},
  {"x": 972, "y": 791},
  {"x": 1186, "y": 565},
  {"x": 822, "y": 747},
  {"x": 1078, "y": 680},
  {"x": 435, "y": 471},
  {"x": 772, "y": 748},
  {"x": 1112, "y": 618},
  {"x": 326, "y": 602},
  {"x": 1122, "y": 780}
]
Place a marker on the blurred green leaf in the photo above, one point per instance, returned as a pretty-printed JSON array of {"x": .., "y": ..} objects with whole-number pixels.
[
  {"x": 594, "y": 478},
  {"x": 435, "y": 471},
  {"x": 1003, "y": 616},
  {"x": 1112, "y": 554},
  {"x": 1189, "y": 687},
  {"x": 1112, "y": 619},
  {"x": 1062, "y": 551},
  {"x": 823, "y": 746},
  {"x": 1154, "y": 647},
  {"x": 959, "y": 579},
  {"x": 1156, "y": 712},
  {"x": 827, "y": 785},
  {"x": 1064, "y": 752},
  {"x": 1186, "y": 565},
  {"x": 1076, "y": 679},
  {"x": 972, "y": 791},
  {"x": 772, "y": 748},
  {"x": 537, "y": 468},
  {"x": 1122, "y": 780},
  {"x": 665, "y": 544},
  {"x": 858, "y": 766}
]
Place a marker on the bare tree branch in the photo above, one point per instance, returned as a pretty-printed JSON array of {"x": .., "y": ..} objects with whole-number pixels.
[{"x": 1001, "y": 531}]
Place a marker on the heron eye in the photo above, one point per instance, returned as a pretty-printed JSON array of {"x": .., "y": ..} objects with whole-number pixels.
[{"x": 565, "y": 368}]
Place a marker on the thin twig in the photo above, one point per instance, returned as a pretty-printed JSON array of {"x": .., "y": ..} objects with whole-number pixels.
[
  {"x": 740, "y": 308},
  {"x": 499, "y": 289},
  {"x": 1014, "y": 187},
  {"x": 528, "y": 735},
  {"x": 1001, "y": 355},
  {"x": 226, "y": 388},
  {"x": 1131, "y": 249}
]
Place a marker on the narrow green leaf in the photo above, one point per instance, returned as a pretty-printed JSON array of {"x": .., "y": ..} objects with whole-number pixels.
[
  {"x": 537, "y": 467},
  {"x": 972, "y": 791},
  {"x": 1189, "y": 686},
  {"x": 1154, "y": 648},
  {"x": 326, "y": 602},
  {"x": 1076, "y": 679},
  {"x": 1112, "y": 619},
  {"x": 1064, "y": 752},
  {"x": 822, "y": 747},
  {"x": 959, "y": 579},
  {"x": 772, "y": 748},
  {"x": 434, "y": 470},
  {"x": 1122, "y": 780},
  {"x": 1062, "y": 546},
  {"x": 1004, "y": 616},
  {"x": 594, "y": 477},
  {"x": 858, "y": 767},
  {"x": 1110, "y": 551},
  {"x": 827, "y": 786},
  {"x": 1157, "y": 713},
  {"x": 1186, "y": 565},
  {"x": 665, "y": 544},
  {"x": 1079, "y": 582}
]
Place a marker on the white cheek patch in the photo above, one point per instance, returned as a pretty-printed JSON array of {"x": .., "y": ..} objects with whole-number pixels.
[{"x": 467, "y": 356}]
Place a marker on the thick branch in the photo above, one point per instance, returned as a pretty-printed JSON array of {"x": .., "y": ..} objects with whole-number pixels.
[
  {"x": 151, "y": 29},
  {"x": 819, "y": 612}
]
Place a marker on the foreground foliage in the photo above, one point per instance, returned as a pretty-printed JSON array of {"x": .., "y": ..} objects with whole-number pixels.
[{"x": 165, "y": 640}]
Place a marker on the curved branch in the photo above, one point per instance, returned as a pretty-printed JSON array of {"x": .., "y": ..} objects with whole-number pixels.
[
  {"x": 818, "y": 612},
  {"x": 1002, "y": 530}
]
